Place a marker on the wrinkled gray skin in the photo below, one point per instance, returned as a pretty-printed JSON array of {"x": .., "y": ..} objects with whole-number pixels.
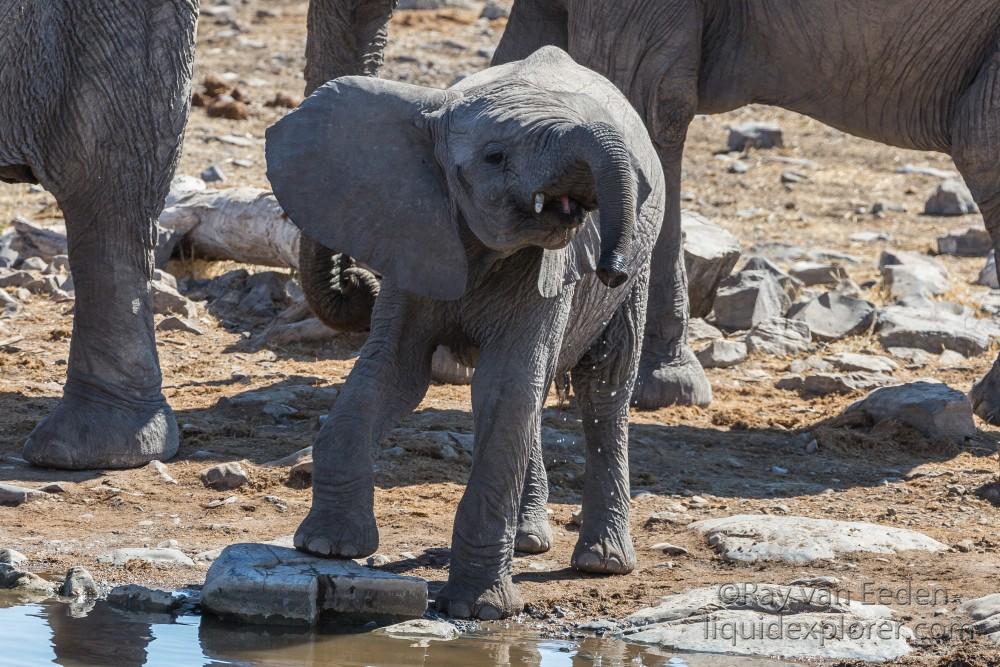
[
  {"x": 93, "y": 108},
  {"x": 452, "y": 223},
  {"x": 919, "y": 74},
  {"x": 670, "y": 374}
]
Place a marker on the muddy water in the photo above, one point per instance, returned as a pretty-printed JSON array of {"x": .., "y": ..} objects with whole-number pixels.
[{"x": 54, "y": 633}]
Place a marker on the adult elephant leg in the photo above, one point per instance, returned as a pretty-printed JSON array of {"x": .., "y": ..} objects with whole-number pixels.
[
  {"x": 976, "y": 150},
  {"x": 532, "y": 24},
  {"x": 345, "y": 38},
  {"x": 603, "y": 382},
  {"x": 109, "y": 161},
  {"x": 388, "y": 380},
  {"x": 669, "y": 373}
]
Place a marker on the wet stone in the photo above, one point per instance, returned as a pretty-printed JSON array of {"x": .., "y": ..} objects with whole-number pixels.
[
  {"x": 258, "y": 583},
  {"x": 147, "y": 600},
  {"x": 79, "y": 583},
  {"x": 25, "y": 584},
  {"x": 697, "y": 620},
  {"x": 933, "y": 408},
  {"x": 423, "y": 628},
  {"x": 798, "y": 540}
]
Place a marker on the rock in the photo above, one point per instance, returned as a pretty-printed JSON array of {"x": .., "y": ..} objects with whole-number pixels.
[
  {"x": 12, "y": 496},
  {"x": 174, "y": 323},
  {"x": 301, "y": 475},
  {"x": 909, "y": 274},
  {"x": 798, "y": 540},
  {"x": 33, "y": 240},
  {"x": 12, "y": 557},
  {"x": 981, "y": 608},
  {"x": 816, "y": 582},
  {"x": 755, "y": 135},
  {"x": 79, "y": 583},
  {"x": 969, "y": 242},
  {"x": 422, "y": 628},
  {"x": 928, "y": 171},
  {"x": 168, "y": 301},
  {"x": 667, "y": 518},
  {"x": 291, "y": 459},
  {"x": 213, "y": 174},
  {"x": 161, "y": 557},
  {"x": 988, "y": 276},
  {"x": 869, "y": 363},
  {"x": 25, "y": 584},
  {"x": 933, "y": 408},
  {"x": 257, "y": 583},
  {"x": 699, "y": 329},
  {"x": 494, "y": 10},
  {"x": 58, "y": 265},
  {"x": 723, "y": 354},
  {"x": 34, "y": 264},
  {"x": 823, "y": 384},
  {"x": 8, "y": 256},
  {"x": 713, "y": 619},
  {"x": 15, "y": 278},
  {"x": 749, "y": 298},
  {"x": 738, "y": 167},
  {"x": 9, "y": 304},
  {"x": 779, "y": 337},
  {"x": 832, "y": 316},
  {"x": 951, "y": 198},
  {"x": 710, "y": 253},
  {"x": 788, "y": 283},
  {"x": 224, "y": 476},
  {"x": 146, "y": 600},
  {"x": 933, "y": 331},
  {"x": 669, "y": 549},
  {"x": 161, "y": 471},
  {"x": 817, "y": 273}
]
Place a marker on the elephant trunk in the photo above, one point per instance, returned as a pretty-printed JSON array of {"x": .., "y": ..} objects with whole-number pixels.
[
  {"x": 339, "y": 292},
  {"x": 603, "y": 149}
]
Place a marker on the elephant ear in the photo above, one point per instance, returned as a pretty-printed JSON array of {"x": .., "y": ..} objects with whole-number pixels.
[
  {"x": 355, "y": 171},
  {"x": 567, "y": 265}
]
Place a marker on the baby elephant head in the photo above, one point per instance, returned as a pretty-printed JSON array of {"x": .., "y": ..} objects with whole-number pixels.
[{"x": 520, "y": 155}]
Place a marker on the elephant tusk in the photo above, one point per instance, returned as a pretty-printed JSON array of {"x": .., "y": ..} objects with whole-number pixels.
[{"x": 539, "y": 202}]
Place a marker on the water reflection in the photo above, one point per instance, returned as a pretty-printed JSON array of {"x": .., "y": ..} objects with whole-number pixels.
[{"x": 56, "y": 633}]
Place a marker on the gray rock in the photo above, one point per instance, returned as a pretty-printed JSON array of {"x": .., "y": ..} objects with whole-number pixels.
[
  {"x": 15, "y": 278},
  {"x": 257, "y": 583},
  {"x": 494, "y": 10},
  {"x": 10, "y": 306},
  {"x": 161, "y": 471},
  {"x": 79, "y": 583},
  {"x": 797, "y": 540},
  {"x": 224, "y": 476},
  {"x": 667, "y": 518},
  {"x": 12, "y": 496},
  {"x": 933, "y": 330},
  {"x": 755, "y": 135},
  {"x": 146, "y": 600},
  {"x": 869, "y": 363},
  {"x": 213, "y": 174},
  {"x": 968, "y": 242},
  {"x": 168, "y": 301},
  {"x": 943, "y": 174},
  {"x": 161, "y": 557},
  {"x": 291, "y": 459},
  {"x": 34, "y": 264},
  {"x": 788, "y": 283},
  {"x": 58, "y": 265},
  {"x": 25, "y": 584},
  {"x": 933, "y": 408},
  {"x": 823, "y": 384},
  {"x": 12, "y": 557},
  {"x": 712, "y": 619},
  {"x": 723, "y": 354},
  {"x": 988, "y": 276},
  {"x": 951, "y": 198},
  {"x": 749, "y": 298},
  {"x": 832, "y": 316},
  {"x": 31, "y": 240},
  {"x": 174, "y": 323},
  {"x": 422, "y": 628},
  {"x": 301, "y": 475},
  {"x": 981, "y": 608},
  {"x": 710, "y": 253},
  {"x": 699, "y": 330},
  {"x": 8, "y": 256},
  {"x": 818, "y": 273},
  {"x": 910, "y": 274},
  {"x": 779, "y": 337}
]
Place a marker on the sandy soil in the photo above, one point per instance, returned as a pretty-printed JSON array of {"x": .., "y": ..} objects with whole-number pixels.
[{"x": 723, "y": 454}]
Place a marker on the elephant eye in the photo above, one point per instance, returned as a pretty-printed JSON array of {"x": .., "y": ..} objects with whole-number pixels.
[{"x": 494, "y": 155}]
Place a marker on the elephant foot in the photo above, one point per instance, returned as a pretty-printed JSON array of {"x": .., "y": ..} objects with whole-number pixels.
[
  {"x": 534, "y": 536},
  {"x": 90, "y": 429},
  {"x": 606, "y": 554},
  {"x": 675, "y": 379},
  {"x": 985, "y": 396},
  {"x": 333, "y": 533},
  {"x": 487, "y": 602}
]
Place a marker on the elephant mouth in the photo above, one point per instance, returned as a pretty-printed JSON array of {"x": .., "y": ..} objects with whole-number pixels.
[{"x": 562, "y": 210}]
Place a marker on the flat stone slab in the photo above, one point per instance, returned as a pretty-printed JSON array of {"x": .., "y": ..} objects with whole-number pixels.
[
  {"x": 833, "y": 316},
  {"x": 933, "y": 330},
  {"x": 162, "y": 557},
  {"x": 749, "y": 538},
  {"x": 422, "y": 628},
  {"x": 985, "y": 611},
  {"x": 770, "y": 620},
  {"x": 259, "y": 583}
]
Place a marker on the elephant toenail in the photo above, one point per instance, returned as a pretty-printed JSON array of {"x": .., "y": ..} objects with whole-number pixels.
[
  {"x": 459, "y": 610},
  {"x": 320, "y": 546}
]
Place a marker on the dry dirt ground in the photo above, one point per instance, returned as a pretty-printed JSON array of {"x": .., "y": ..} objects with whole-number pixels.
[{"x": 724, "y": 453}]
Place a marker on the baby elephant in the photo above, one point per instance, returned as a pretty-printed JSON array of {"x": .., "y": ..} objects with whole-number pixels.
[{"x": 512, "y": 216}]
